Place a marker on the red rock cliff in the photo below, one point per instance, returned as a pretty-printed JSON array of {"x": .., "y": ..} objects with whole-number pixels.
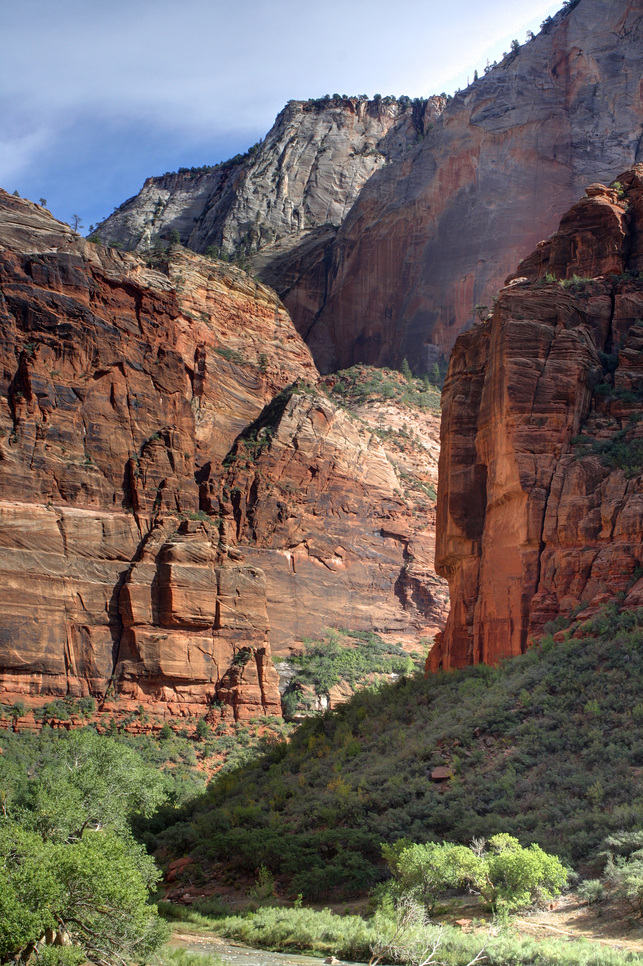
[
  {"x": 136, "y": 555},
  {"x": 121, "y": 387},
  {"x": 540, "y": 505},
  {"x": 435, "y": 232}
]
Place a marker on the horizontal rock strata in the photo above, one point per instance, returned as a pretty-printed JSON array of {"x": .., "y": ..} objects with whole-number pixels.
[{"x": 147, "y": 534}]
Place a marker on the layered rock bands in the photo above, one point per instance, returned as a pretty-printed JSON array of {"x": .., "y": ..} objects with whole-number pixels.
[
  {"x": 125, "y": 502},
  {"x": 382, "y": 224},
  {"x": 540, "y": 507}
]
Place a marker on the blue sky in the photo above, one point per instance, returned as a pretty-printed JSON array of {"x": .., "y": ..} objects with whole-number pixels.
[{"x": 97, "y": 96}]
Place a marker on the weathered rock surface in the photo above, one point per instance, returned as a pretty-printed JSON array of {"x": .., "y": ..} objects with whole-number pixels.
[
  {"x": 540, "y": 506},
  {"x": 305, "y": 175},
  {"x": 123, "y": 387},
  {"x": 377, "y": 262},
  {"x": 120, "y": 385},
  {"x": 317, "y": 503},
  {"x": 433, "y": 234}
]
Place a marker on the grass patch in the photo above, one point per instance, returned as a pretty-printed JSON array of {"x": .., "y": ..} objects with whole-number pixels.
[
  {"x": 171, "y": 956},
  {"x": 323, "y": 932}
]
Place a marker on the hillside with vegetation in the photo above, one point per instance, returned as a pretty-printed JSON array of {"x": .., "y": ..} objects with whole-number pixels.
[{"x": 544, "y": 747}]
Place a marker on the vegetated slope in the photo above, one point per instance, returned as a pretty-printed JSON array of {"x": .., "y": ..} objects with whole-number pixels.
[
  {"x": 540, "y": 509},
  {"x": 544, "y": 747},
  {"x": 131, "y": 476}
]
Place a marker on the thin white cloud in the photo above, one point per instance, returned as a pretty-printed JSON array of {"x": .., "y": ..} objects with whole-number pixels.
[
  {"x": 18, "y": 153},
  {"x": 97, "y": 96},
  {"x": 201, "y": 63}
]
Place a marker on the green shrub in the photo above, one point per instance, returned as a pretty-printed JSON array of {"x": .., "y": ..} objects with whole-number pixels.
[
  {"x": 524, "y": 753},
  {"x": 591, "y": 891}
]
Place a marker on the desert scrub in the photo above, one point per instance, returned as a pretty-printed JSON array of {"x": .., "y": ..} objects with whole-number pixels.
[
  {"x": 523, "y": 741},
  {"x": 361, "y": 384},
  {"x": 351, "y": 657}
]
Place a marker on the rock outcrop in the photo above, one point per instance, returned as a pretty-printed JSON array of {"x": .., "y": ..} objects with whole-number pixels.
[
  {"x": 540, "y": 506},
  {"x": 315, "y": 500},
  {"x": 377, "y": 262},
  {"x": 433, "y": 234},
  {"x": 294, "y": 188},
  {"x": 139, "y": 554},
  {"x": 121, "y": 387}
]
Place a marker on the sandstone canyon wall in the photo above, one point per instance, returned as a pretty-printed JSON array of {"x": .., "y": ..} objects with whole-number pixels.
[
  {"x": 139, "y": 553},
  {"x": 292, "y": 189},
  {"x": 433, "y": 234},
  {"x": 540, "y": 506},
  {"x": 379, "y": 256}
]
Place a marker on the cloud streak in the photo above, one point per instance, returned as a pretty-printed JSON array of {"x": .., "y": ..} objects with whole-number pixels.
[{"x": 163, "y": 77}]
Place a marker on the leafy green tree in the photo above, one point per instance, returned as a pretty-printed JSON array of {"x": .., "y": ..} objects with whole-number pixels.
[
  {"x": 69, "y": 866},
  {"x": 27, "y": 888},
  {"x": 87, "y": 781},
  {"x": 92, "y": 892},
  {"x": 508, "y": 875},
  {"x": 517, "y": 877},
  {"x": 405, "y": 369},
  {"x": 425, "y": 872}
]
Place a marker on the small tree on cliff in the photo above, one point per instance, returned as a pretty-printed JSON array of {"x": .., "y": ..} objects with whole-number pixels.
[{"x": 405, "y": 369}]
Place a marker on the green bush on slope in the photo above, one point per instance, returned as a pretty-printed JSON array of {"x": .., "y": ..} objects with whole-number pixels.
[{"x": 542, "y": 748}]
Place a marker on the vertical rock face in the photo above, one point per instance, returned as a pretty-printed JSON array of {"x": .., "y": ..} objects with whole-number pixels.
[
  {"x": 120, "y": 388},
  {"x": 433, "y": 234},
  {"x": 303, "y": 177},
  {"x": 540, "y": 507},
  {"x": 377, "y": 262},
  {"x": 170, "y": 506},
  {"x": 314, "y": 499}
]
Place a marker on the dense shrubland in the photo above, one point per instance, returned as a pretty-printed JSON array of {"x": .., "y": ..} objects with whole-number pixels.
[{"x": 543, "y": 748}]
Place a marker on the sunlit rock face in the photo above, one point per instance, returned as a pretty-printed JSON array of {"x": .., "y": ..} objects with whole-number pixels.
[
  {"x": 434, "y": 233},
  {"x": 382, "y": 225},
  {"x": 121, "y": 387},
  {"x": 540, "y": 504},
  {"x": 179, "y": 495},
  {"x": 294, "y": 188}
]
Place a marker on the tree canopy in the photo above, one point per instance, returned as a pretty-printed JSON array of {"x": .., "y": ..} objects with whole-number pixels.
[{"x": 70, "y": 870}]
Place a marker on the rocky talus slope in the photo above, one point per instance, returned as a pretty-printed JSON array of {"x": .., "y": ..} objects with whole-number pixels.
[
  {"x": 540, "y": 507},
  {"x": 123, "y": 388}
]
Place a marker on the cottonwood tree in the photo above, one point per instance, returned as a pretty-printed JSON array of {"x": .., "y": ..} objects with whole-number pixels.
[{"x": 70, "y": 870}]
